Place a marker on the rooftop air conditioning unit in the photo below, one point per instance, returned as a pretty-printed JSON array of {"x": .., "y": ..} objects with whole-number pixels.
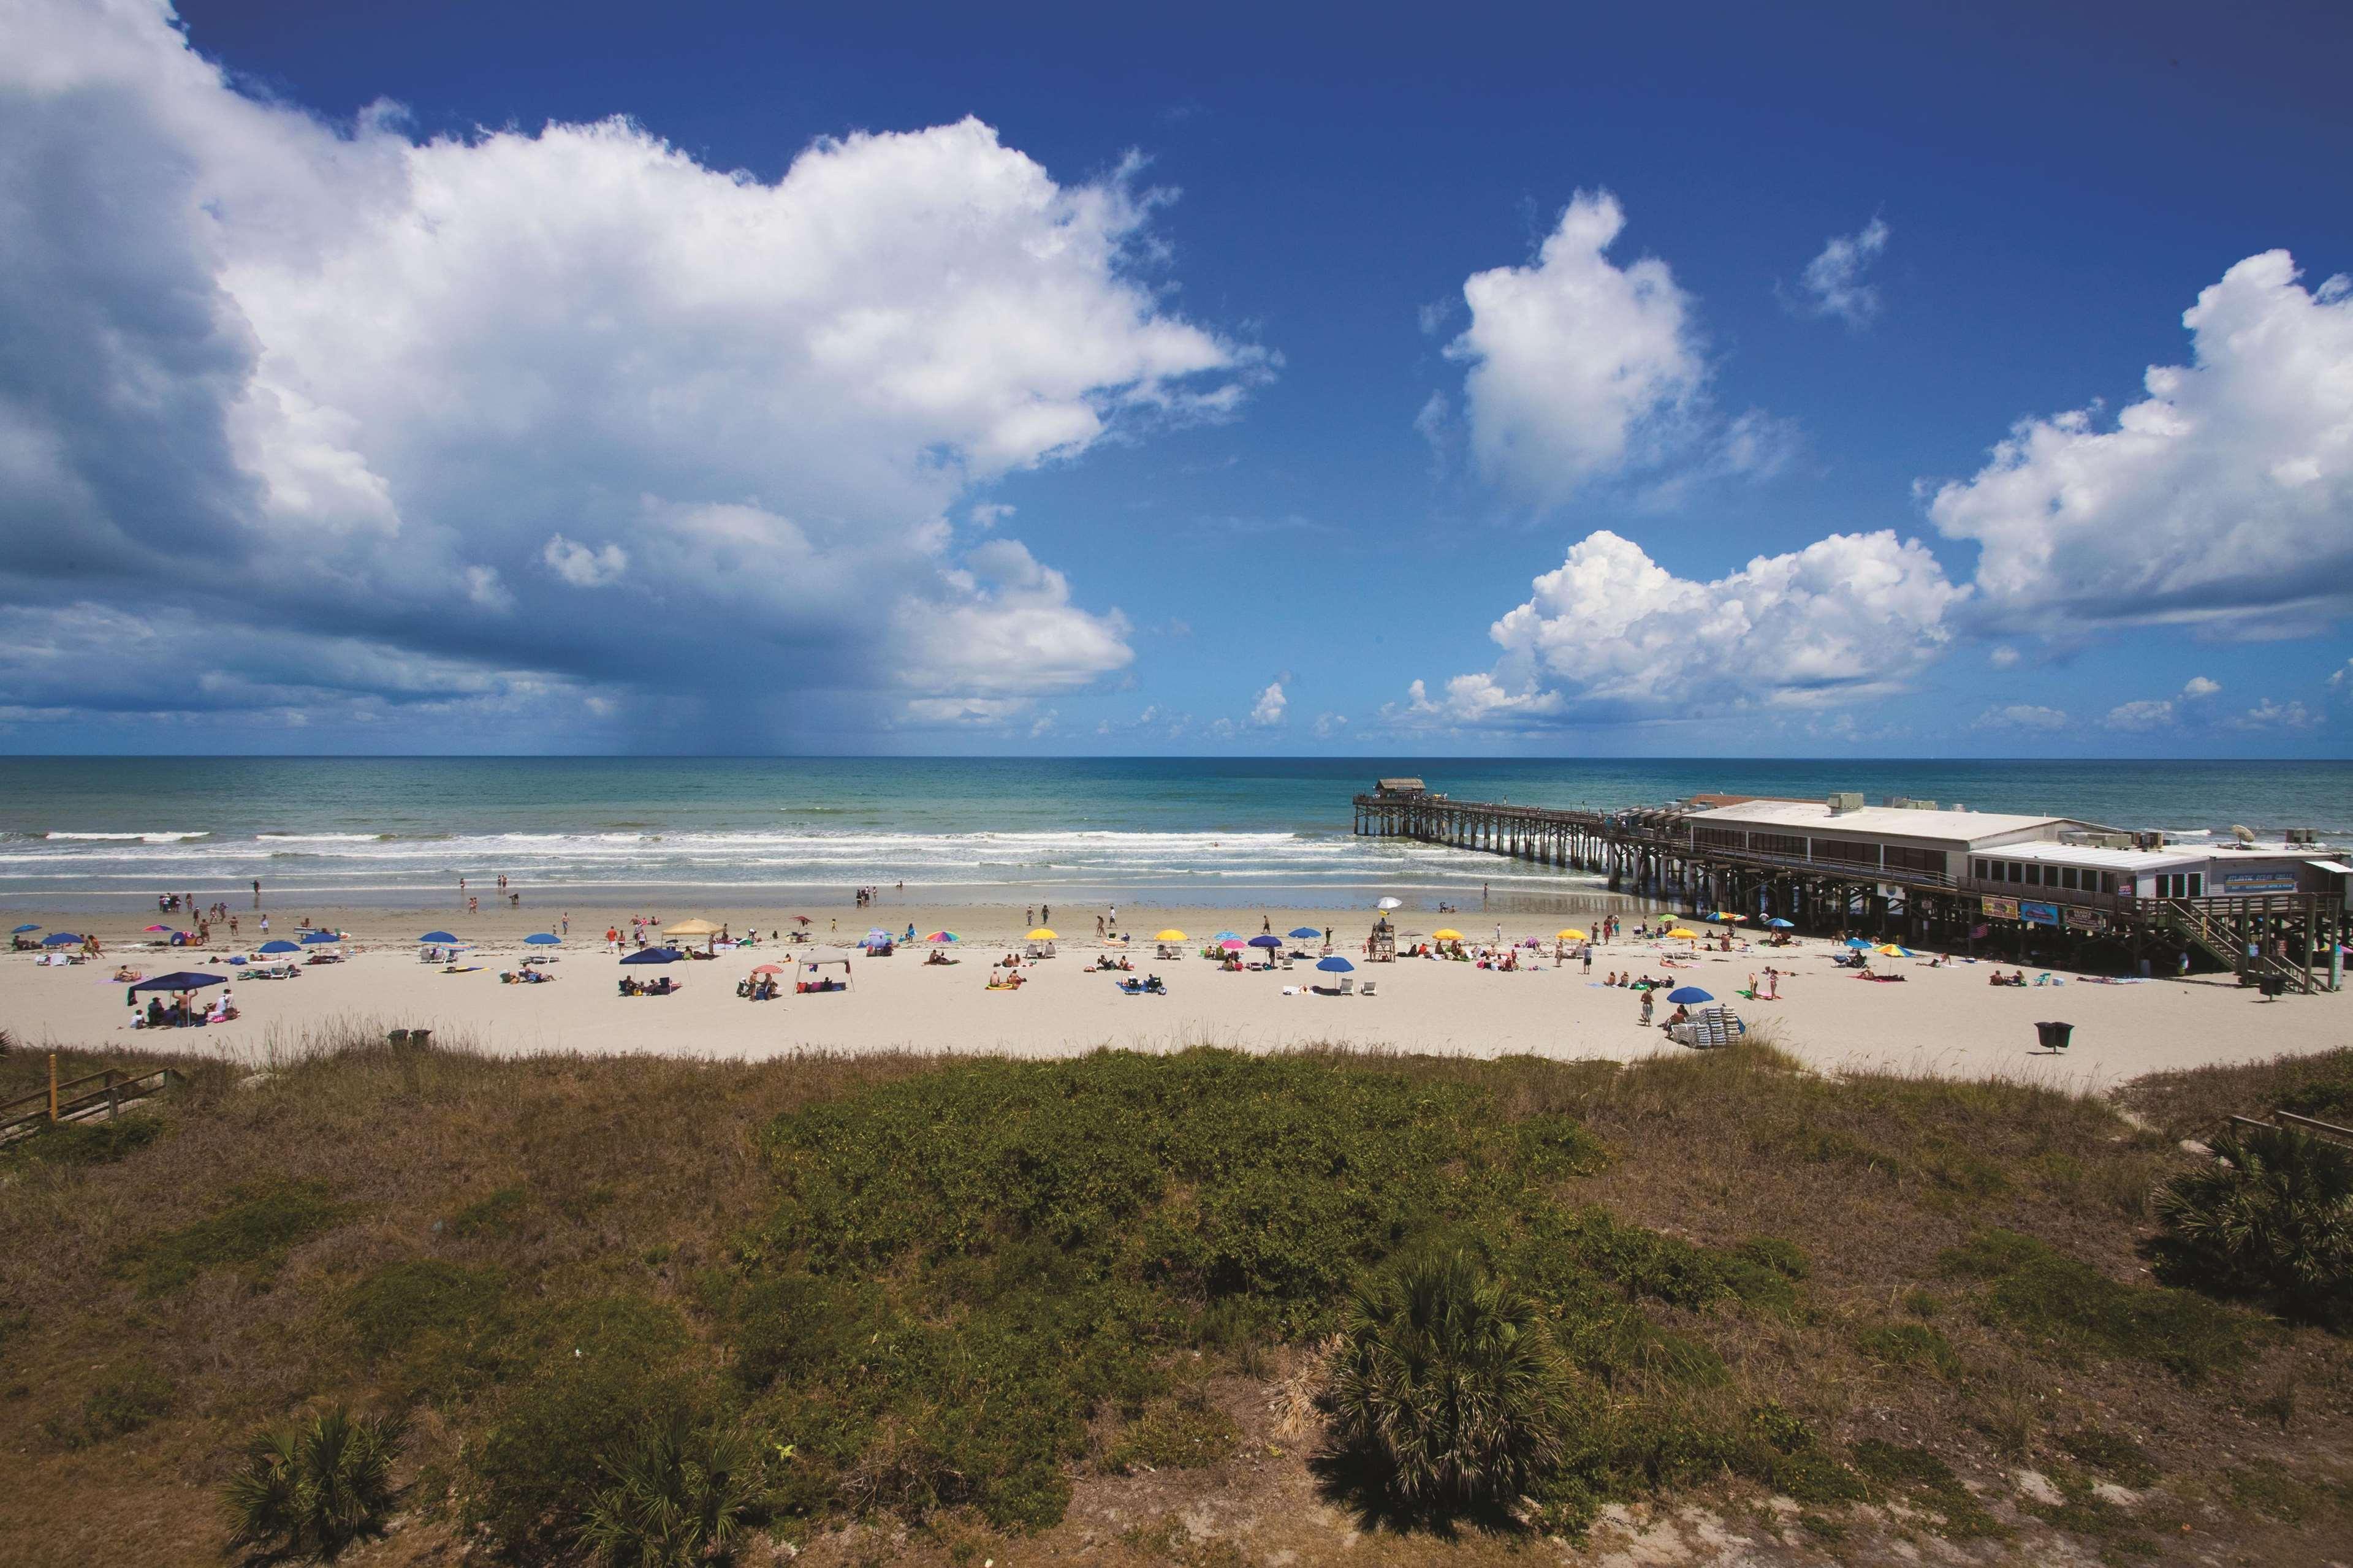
[
  {"x": 2301, "y": 836},
  {"x": 2148, "y": 840},
  {"x": 1845, "y": 801}
]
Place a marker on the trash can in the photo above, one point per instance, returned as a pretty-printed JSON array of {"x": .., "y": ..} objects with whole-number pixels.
[{"x": 2054, "y": 1035}]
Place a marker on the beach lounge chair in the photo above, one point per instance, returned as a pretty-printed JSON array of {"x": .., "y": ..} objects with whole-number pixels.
[
  {"x": 1368, "y": 989},
  {"x": 1708, "y": 1027}
]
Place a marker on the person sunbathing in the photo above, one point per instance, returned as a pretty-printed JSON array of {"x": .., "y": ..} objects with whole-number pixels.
[
  {"x": 1010, "y": 982},
  {"x": 939, "y": 956},
  {"x": 126, "y": 975}
]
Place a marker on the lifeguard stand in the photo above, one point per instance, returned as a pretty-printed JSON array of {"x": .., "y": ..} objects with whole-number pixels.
[{"x": 1383, "y": 949}]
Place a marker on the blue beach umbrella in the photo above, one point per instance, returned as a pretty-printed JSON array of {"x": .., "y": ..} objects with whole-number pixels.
[
  {"x": 183, "y": 981},
  {"x": 1778, "y": 924},
  {"x": 1304, "y": 932},
  {"x": 654, "y": 955},
  {"x": 438, "y": 936},
  {"x": 280, "y": 946},
  {"x": 60, "y": 939},
  {"x": 1227, "y": 936},
  {"x": 543, "y": 938},
  {"x": 1266, "y": 941},
  {"x": 1685, "y": 994},
  {"x": 23, "y": 929},
  {"x": 1335, "y": 964},
  {"x": 1857, "y": 941},
  {"x": 321, "y": 938}
]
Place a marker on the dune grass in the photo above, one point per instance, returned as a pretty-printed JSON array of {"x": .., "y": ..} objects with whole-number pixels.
[{"x": 943, "y": 1303}]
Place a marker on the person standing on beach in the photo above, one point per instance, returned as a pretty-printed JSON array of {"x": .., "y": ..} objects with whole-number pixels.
[
  {"x": 1589, "y": 960},
  {"x": 1045, "y": 914},
  {"x": 1029, "y": 916},
  {"x": 613, "y": 938},
  {"x": 563, "y": 926},
  {"x": 257, "y": 892},
  {"x": 1646, "y": 1009}
]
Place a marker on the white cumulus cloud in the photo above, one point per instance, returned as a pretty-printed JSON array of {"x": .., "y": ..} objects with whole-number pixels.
[
  {"x": 1578, "y": 367},
  {"x": 1266, "y": 710},
  {"x": 337, "y": 382},
  {"x": 1833, "y": 281},
  {"x": 1611, "y": 634},
  {"x": 2223, "y": 500},
  {"x": 2149, "y": 713},
  {"x": 582, "y": 567}
]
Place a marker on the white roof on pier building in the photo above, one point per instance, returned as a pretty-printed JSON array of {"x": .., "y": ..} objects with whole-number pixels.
[{"x": 1956, "y": 829}]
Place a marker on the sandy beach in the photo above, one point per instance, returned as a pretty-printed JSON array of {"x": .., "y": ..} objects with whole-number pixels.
[{"x": 1945, "y": 1020}]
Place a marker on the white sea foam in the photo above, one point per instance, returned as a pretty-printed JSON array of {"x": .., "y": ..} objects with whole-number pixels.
[{"x": 158, "y": 837}]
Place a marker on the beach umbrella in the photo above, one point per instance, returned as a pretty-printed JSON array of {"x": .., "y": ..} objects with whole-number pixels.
[
  {"x": 1568, "y": 933},
  {"x": 1227, "y": 936},
  {"x": 1681, "y": 934},
  {"x": 1532, "y": 942},
  {"x": 1335, "y": 965},
  {"x": 690, "y": 928},
  {"x": 543, "y": 939},
  {"x": 1778, "y": 924},
  {"x": 1857, "y": 941},
  {"x": 1172, "y": 934},
  {"x": 321, "y": 938},
  {"x": 769, "y": 969},
  {"x": 1896, "y": 950},
  {"x": 1446, "y": 933},
  {"x": 1044, "y": 933},
  {"x": 1683, "y": 996},
  {"x": 60, "y": 939},
  {"x": 803, "y": 919},
  {"x": 872, "y": 931},
  {"x": 1306, "y": 932},
  {"x": 439, "y": 937},
  {"x": 142, "y": 928},
  {"x": 1726, "y": 917},
  {"x": 23, "y": 929},
  {"x": 1231, "y": 945},
  {"x": 281, "y": 945},
  {"x": 943, "y": 936},
  {"x": 183, "y": 981},
  {"x": 1388, "y": 903},
  {"x": 654, "y": 955},
  {"x": 1266, "y": 941}
]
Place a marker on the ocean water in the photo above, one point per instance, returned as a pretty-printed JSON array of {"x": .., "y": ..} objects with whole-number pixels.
[{"x": 107, "y": 832}]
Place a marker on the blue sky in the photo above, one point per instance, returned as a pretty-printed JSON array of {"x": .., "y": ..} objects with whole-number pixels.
[{"x": 1575, "y": 381}]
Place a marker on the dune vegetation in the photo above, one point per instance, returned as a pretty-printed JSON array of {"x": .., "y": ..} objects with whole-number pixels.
[{"x": 401, "y": 1304}]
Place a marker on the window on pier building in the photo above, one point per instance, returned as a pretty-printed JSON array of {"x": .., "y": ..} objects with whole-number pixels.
[
  {"x": 1982, "y": 870},
  {"x": 1899, "y": 859},
  {"x": 1719, "y": 838},
  {"x": 1846, "y": 852},
  {"x": 1788, "y": 844},
  {"x": 2012, "y": 871}
]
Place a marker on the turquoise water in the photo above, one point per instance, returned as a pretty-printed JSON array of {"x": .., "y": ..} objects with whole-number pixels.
[{"x": 400, "y": 831}]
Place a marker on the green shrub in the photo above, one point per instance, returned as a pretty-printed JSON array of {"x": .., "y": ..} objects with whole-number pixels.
[
  {"x": 1920, "y": 1477},
  {"x": 2116, "y": 1457},
  {"x": 677, "y": 1496},
  {"x": 87, "y": 1142},
  {"x": 257, "y": 1229},
  {"x": 498, "y": 1215},
  {"x": 135, "y": 1398},
  {"x": 416, "y": 1299},
  {"x": 1912, "y": 1345},
  {"x": 1448, "y": 1383},
  {"x": 2270, "y": 1220},
  {"x": 1180, "y": 1432},
  {"x": 2327, "y": 1099},
  {"x": 594, "y": 1376},
  {"x": 2068, "y": 1307},
  {"x": 311, "y": 1488}
]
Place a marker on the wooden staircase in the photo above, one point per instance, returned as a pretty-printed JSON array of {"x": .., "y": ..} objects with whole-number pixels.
[
  {"x": 106, "y": 1093},
  {"x": 2194, "y": 922}
]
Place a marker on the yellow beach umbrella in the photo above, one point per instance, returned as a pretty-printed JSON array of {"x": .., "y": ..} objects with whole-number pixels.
[
  {"x": 1569, "y": 934},
  {"x": 1172, "y": 934},
  {"x": 1043, "y": 933},
  {"x": 1680, "y": 931},
  {"x": 690, "y": 928},
  {"x": 1446, "y": 933}
]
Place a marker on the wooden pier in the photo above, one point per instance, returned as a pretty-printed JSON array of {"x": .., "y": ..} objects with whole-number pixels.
[{"x": 2279, "y": 941}]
